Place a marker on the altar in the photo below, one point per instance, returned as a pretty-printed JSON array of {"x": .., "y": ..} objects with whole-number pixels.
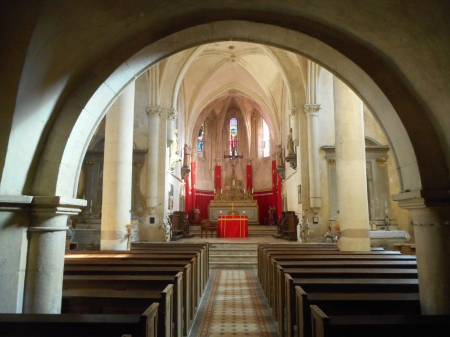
[
  {"x": 387, "y": 239},
  {"x": 232, "y": 226},
  {"x": 234, "y": 198}
]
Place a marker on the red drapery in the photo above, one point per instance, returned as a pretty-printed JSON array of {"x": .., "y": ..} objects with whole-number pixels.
[
  {"x": 193, "y": 182},
  {"x": 203, "y": 200},
  {"x": 264, "y": 199},
  {"x": 218, "y": 178},
  {"x": 279, "y": 196},
  {"x": 249, "y": 177},
  {"x": 188, "y": 194},
  {"x": 274, "y": 201}
]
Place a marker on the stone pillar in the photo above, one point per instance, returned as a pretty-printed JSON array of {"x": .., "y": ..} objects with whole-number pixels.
[
  {"x": 171, "y": 117},
  {"x": 46, "y": 249},
  {"x": 351, "y": 169},
  {"x": 312, "y": 116},
  {"x": 154, "y": 115},
  {"x": 117, "y": 172},
  {"x": 432, "y": 236}
]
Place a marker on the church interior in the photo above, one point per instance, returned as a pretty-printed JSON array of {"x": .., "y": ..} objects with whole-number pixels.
[{"x": 316, "y": 128}]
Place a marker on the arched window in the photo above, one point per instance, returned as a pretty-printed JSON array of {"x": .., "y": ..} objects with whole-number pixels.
[
  {"x": 201, "y": 140},
  {"x": 233, "y": 135},
  {"x": 266, "y": 139}
]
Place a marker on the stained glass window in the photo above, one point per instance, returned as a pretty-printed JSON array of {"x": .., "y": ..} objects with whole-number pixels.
[
  {"x": 266, "y": 139},
  {"x": 233, "y": 135},
  {"x": 200, "y": 140}
]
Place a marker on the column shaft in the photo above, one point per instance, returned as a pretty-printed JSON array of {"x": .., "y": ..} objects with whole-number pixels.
[
  {"x": 117, "y": 172},
  {"x": 432, "y": 233},
  {"x": 154, "y": 114},
  {"x": 312, "y": 111},
  {"x": 46, "y": 249},
  {"x": 351, "y": 169}
]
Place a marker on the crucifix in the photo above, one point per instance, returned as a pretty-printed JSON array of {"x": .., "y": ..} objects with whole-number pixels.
[{"x": 234, "y": 158}]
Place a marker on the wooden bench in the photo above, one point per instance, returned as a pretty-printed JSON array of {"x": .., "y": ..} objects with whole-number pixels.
[
  {"x": 77, "y": 325},
  {"x": 127, "y": 270},
  {"x": 279, "y": 294},
  {"x": 268, "y": 266},
  {"x": 378, "y": 325},
  {"x": 101, "y": 301},
  {"x": 341, "y": 285},
  {"x": 352, "y": 304},
  {"x": 338, "y": 256},
  {"x": 202, "y": 247},
  {"x": 158, "y": 284},
  {"x": 149, "y": 260}
]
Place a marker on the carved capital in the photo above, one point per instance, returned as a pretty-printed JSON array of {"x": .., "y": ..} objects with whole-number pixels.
[
  {"x": 294, "y": 111},
  {"x": 153, "y": 110},
  {"x": 312, "y": 109},
  {"x": 332, "y": 162},
  {"x": 381, "y": 162},
  {"x": 172, "y": 114}
]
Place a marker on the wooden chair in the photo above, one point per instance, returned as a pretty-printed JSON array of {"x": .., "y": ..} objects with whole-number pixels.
[{"x": 207, "y": 226}]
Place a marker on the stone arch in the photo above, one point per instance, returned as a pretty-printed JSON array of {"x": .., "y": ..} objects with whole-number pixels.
[{"x": 59, "y": 166}]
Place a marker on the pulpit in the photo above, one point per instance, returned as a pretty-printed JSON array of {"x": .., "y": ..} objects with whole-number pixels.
[{"x": 232, "y": 226}]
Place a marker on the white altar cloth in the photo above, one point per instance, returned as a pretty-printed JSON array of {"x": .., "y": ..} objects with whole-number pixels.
[{"x": 389, "y": 235}]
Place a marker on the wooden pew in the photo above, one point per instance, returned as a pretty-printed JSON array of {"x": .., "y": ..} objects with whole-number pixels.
[
  {"x": 101, "y": 301},
  {"x": 271, "y": 281},
  {"x": 351, "y": 304},
  {"x": 157, "y": 246},
  {"x": 189, "y": 302},
  {"x": 149, "y": 260},
  {"x": 280, "y": 290},
  {"x": 76, "y": 325},
  {"x": 270, "y": 259},
  {"x": 277, "y": 282},
  {"x": 127, "y": 270},
  {"x": 264, "y": 248},
  {"x": 156, "y": 284},
  {"x": 341, "y": 285},
  {"x": 378, "y": 325}
]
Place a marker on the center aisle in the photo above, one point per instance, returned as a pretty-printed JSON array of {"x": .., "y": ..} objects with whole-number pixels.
[{"x": 233, "y": 305}]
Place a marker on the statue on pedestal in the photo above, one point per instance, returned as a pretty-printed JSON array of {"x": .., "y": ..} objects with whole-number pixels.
[
  {"x": 279, "y": 156},
  {"x": 187, "y": 156}
]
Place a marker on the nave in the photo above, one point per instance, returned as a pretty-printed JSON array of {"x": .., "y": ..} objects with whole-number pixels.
[
  {"x": 233, "y": 305},
  {"x": 170, "y": 290}
]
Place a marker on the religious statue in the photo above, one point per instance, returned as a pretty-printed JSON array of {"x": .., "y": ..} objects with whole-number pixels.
[
  {"x": 290, "y": 144},
  {"x": 187, "y": 156},
  {"x": 279, "y": 156}
]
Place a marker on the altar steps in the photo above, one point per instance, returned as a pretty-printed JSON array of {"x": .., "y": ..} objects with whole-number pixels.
[
  {"x": 253, "y": 231},
  {"x": 233, "y": 255}
]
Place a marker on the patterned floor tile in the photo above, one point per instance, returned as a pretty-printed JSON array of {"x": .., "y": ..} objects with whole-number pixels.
[{"x": 234, "y": 307}]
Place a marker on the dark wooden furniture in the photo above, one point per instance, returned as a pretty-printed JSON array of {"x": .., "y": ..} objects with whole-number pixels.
[
  {"x": 378, "y": 325},
  {"x": 289, "y": 226},
  {"x": 353, "y": 304},
  {"x": 207, "y": 226},
  {"x": 81, "y": 325}
]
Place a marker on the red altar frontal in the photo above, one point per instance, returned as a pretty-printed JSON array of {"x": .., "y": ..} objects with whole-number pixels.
[{"x": 232, "y": 226}]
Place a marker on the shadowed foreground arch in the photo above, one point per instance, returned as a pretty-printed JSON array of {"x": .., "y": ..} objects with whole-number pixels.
[{"x": 60, "y": 164}]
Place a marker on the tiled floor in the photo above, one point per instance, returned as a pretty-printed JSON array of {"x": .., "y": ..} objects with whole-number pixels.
[{"x": 233, "y": 305}]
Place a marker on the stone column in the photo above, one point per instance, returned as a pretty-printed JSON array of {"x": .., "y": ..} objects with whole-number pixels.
[
  {"x": 351, "y": 169},
  {"x": 46, "y": 249},
  {"x": 117, "y": 172},
  {"x": 312, "y": 116},
  {"x": 154, "y": 115},
  {"x": 432, "y": 235},
  {"x": 172, "y": 115}
]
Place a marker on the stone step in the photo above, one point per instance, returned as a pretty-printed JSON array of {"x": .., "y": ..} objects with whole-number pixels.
[{"x": 233, "y": 255}]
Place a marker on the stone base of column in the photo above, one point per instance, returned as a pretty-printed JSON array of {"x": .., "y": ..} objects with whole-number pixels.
[
  {"x": 431, "y": 220},
  {"x": 354, "y": 244},
  {"x": 433, "y": 263}
]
